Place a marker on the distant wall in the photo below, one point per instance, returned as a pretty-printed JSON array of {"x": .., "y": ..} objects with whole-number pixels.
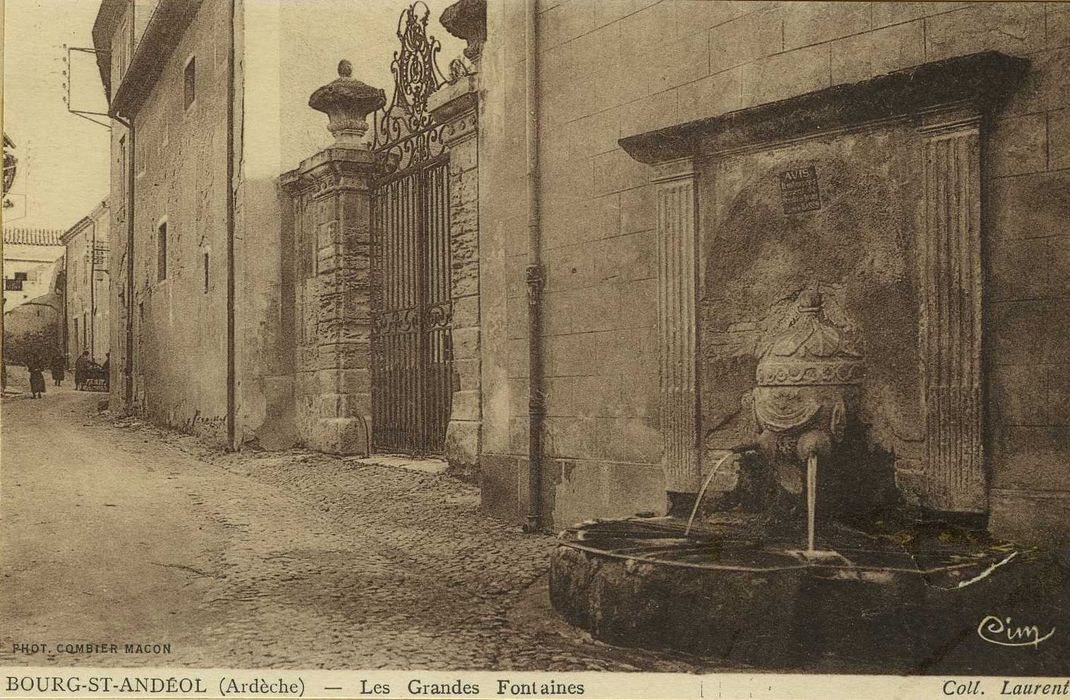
[{"x": 33, "y": 330}]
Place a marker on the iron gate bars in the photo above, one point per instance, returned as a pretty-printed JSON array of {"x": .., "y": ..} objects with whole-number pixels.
[
  {"x": 411, "y": 352},
  {"x": 412, "y": 366}
]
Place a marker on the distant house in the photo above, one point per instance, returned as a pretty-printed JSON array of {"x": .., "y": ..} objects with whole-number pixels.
[
  {"x": 33, "y": 293},
  {"x": 88, "y": 304},
  {"x": 30, "y": 254}
]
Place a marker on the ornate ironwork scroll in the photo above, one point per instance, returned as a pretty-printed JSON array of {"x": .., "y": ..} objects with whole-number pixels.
[{"x": 404, "y": 126}]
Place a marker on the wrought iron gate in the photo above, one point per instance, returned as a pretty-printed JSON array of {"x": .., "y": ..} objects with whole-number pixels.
[{"x": 412, "y": 366}]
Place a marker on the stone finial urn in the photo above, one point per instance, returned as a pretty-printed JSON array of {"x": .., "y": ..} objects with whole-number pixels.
[
  {"x": 347, "y": 102},
  {"x": 808, "y": 380},
  {"x": 467, "y": 19}
]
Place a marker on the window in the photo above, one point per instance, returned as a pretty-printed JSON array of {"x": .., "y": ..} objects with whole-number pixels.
[
  {"x": 161, "y": 252},
  {"x": 21, "y": 276},
  {"x": 206, "y": 273},
  {"x": 190, "y": 82},
  {"x": 76, "y": 330},
  {"x": 85, "y": 330}
]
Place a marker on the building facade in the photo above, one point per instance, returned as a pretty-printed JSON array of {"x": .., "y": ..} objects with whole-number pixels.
[
  {"x": 30, "y": 256},
  {"x": 561, "y": 267},
  {"x": 33, "y": 293},
  {"x": 199, "y": 93},
  {"x": 87, "y": 319}
]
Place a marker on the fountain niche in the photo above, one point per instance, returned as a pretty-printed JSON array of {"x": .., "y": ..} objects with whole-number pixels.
[{"x": 822, "y": 397}]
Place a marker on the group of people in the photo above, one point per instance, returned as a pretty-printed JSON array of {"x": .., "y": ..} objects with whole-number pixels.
[{"x": 58, "y": 366}]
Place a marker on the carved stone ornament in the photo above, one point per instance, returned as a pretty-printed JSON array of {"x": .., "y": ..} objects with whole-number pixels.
[
  {"x": 467, "y": 19},
  {"x": 347, "y": 102},
  {"x": 810, "y": 351},
  {"x": 808, "y": 373}
]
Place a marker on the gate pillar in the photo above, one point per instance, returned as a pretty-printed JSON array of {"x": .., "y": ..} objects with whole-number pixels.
[
  {"x": 331, "y": 202},
  {"x": 455, "y": 107}
]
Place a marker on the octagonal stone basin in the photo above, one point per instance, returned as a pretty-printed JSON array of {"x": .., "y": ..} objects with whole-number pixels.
[{"x": 907, "y": 601}]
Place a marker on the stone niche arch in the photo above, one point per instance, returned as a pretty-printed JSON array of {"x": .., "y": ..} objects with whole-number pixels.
[{"x": 871, "y": 191}]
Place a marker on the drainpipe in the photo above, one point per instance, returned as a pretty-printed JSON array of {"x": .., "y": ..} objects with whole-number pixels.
[
  {"x": 92, "y": 292},
  {"x": 535, "y": 279},
  {"x": 66, "y": 304},
  {"x": 131, "y": 171},
  {"x": 231, "y": 372},
  {"x": 131, "y": 168}
]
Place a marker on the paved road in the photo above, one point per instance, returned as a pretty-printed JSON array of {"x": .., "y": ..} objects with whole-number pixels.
[{"x": 123, "y": 533}]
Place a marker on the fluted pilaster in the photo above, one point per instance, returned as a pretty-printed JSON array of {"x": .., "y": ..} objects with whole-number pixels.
[
  {"x": 677, "y": 343},
  {"x": 951, "y": 288}
]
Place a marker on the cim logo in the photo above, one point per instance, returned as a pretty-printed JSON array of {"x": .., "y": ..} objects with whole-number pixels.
[{"x": 995, "y": 630}]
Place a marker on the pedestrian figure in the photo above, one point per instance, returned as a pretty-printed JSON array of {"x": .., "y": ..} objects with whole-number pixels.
[
  {"x": 37, "y": 378},
  {"x": 59, "y": 369},
  {"x": 107, "y": 371},
  {"x": 81, "y": 367}
]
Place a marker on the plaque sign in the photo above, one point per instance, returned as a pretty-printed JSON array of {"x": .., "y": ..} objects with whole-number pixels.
[{"x": 799, "y": 191}]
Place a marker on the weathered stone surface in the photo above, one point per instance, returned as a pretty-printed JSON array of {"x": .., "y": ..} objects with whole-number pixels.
[
  {"x": 981, "y": 78},
  {"x": 897, "y": 610},
  {"x": 341, "y": 436},
  {"x": 1013, "y": 28},
  {"x": 331, "y": 263},
  {"x": 1019, "y": 145},
  {"x": 745, "y": 39},
  {"x": 871, "y": 275},
  {"x": 462, "y": 448},
  {"x": 817, "y": 22},
  {"x": 875, "y": 53}
]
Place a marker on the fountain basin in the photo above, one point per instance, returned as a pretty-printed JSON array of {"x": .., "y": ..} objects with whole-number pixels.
[{"x": 869, "y": 603}]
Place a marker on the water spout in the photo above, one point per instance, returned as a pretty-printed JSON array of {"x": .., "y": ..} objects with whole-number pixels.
[
  {"x": 811, "y": 499},
  {"x": 702, "y": 491}
]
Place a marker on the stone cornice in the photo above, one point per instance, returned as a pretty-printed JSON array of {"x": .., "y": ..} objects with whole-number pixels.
[
  {"x": 981, "y": 81},
  {"x": 332, "y": 166},
  {"x": 453, "y": 100}
]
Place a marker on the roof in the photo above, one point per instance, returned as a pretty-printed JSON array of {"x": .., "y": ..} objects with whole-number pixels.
[
  {"x": 165, "y": 28},
  {"x": 84, "y": 222},
  {"x": 33, "y": 236},
  {"x": 107, "y": 22}
]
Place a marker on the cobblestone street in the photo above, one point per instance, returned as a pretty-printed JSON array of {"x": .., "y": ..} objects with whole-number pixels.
[{"x": 118, "y": 532}]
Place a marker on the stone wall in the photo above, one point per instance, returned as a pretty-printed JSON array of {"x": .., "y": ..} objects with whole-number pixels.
[
  {"x": 614, "y": 69},
  {"x": 330, "y": 265},
  {"x": 180, "y": 354},
  {"x": 456, "y": 106},
  {"x": 33, "y": 331}
]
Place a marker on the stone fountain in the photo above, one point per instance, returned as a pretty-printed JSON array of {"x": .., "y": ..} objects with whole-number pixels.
[
  {"x": 783, "y": 569},
  {"x": 821, "y": 297}
]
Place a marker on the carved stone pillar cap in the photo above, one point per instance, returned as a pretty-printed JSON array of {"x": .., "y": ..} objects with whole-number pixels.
[
  {"x": 347, "y": 102},
  {"x": 467, "y": 19}
]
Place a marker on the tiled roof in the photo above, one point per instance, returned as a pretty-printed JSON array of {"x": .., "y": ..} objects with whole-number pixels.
[{"x": 33, "y": 236}]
